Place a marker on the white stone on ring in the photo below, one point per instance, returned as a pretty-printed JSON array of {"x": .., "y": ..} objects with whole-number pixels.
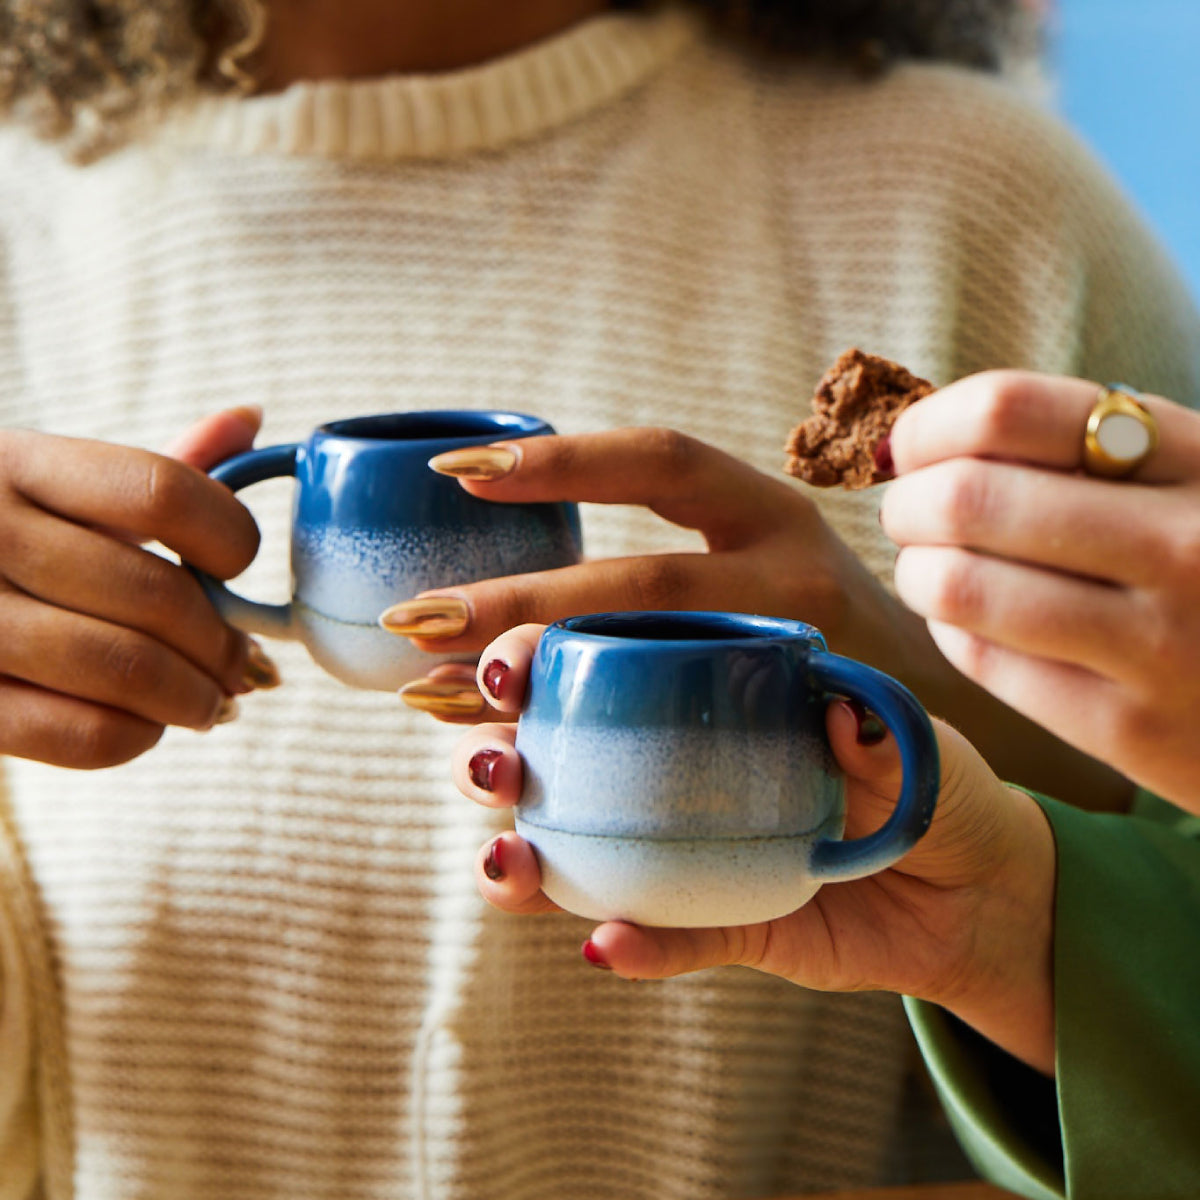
[{"x": 1121, "y": 433}]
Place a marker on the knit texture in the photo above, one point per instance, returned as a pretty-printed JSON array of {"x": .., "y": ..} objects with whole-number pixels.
[{"x": 252, "y": 964}]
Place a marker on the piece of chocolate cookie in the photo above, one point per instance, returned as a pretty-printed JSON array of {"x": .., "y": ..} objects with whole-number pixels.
[{"x": 854, "y": 407}]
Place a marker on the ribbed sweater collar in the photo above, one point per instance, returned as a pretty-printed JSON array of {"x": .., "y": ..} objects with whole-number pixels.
[{"x": 437, "y": 116}]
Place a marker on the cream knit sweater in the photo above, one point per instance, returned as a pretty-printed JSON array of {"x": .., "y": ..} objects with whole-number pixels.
[{"x": 253, "y": 963}]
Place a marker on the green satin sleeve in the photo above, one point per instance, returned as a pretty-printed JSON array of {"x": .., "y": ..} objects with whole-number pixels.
[{"x": 1121, "y": 1120}]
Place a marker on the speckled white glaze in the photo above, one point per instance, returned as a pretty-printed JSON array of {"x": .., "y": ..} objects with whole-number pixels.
[
  {"x": 677, "y": 882},
  {"x": 677, "y": 771},
  {"x": 345, "y": 578},
  {"x": 666, "y": 782},
  {"x": 670, "y": 826}
]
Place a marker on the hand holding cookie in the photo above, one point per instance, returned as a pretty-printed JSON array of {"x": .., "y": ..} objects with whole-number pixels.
[{"x": 1074, "y": 599}]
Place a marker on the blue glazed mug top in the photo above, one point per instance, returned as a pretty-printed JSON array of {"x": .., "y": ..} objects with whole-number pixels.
[
  {"x": 677, "y": 770},
  {"x": 699, "y": 669},
  {"x": 373, "y": 525}
]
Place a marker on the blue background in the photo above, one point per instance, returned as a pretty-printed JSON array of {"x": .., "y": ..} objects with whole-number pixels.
[{"x": 1127, "y": 80}]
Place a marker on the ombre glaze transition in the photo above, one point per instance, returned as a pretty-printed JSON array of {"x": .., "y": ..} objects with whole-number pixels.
[
  {"x": 677, "y": 770},
  {"x": 373, "y": 525}
]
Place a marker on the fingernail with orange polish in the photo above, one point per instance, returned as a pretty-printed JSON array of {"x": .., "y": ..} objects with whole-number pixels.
[
  {"x": 483, "y": 464},
  {"x": 443, "y": 698},
  {"x": 428, "y": 617}
]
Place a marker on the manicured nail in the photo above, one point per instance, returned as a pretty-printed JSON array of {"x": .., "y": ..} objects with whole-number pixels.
[
  {"x": 871, "y": 730},
  {"x": 592, "y": 953},
  {"x": 428, "y": 617},
  {"x": 228, "y": 711},
  {"x": 481, "y": 463},
  {"x": 261, "y": 672},
  {"x": 443, "y": 698},
  {"x": 482, "y": 768},
  {"x": 883, "y": 459},
  {"x": 493, "y": 677},
  {"x": 493, "y": 867}
]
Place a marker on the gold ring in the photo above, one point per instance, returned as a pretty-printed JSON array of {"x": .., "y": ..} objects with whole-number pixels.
[{"x": 1121, "y": 433}]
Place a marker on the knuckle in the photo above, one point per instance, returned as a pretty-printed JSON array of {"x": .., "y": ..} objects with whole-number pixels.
[
  {"x": 162, "y": 588},
  {"x": 956, "y": 588},
  {"x": 1178, "y": 548},
  {"x": 967, "y": 502},
  {"x": 1135, "y": 729},
  {"x": 657, "y": 581},
  {"x": 133, "y": 664},
  {"x": 977, "y": 659},
  {"x": 14, "y": 542},
  {"x": 14, "y": 453},
  {"x": 500, "y": 604},
  {"x": 168, "y": 489},
  {"x": 96, "y": 739},
  {"x": 670, "y": 450},
  {"x": 1004, "y": 408},
  {"x": 1160, "y": 644},
  {"x": 556, "y": 456}
]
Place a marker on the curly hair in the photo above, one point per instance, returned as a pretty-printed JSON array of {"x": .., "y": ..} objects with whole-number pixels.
[{"x": 84, "y": 71}]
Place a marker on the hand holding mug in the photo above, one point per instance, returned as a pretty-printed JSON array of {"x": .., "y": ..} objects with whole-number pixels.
[
  {"x": 372, "y": 521},
  {"x": 103, "y": 643},
  {"x": 963, "y": 919},
  {"x": 768, "y": 549},
  {"x": 677, "y": 773},
  {"x": 1074, "y": 599}
]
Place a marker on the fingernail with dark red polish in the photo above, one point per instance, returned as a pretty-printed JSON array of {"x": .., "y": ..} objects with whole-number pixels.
[
  {"x": 871, "y": 730},
  {"x": 492, "y": 866},
  {"x": 883, "y": 459},
  {"x": 493, "y": 677},
  {"x": 592, "y": 953},
  {"x": 482, "y": 768}
]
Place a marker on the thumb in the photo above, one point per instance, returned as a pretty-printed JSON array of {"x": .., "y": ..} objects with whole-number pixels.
[
  {"x": 645, "y": 952},
  {"x": 215, "y": 438}
]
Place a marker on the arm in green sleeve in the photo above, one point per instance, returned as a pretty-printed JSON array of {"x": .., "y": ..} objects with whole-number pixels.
[{"x": 1122, "y": 1118}]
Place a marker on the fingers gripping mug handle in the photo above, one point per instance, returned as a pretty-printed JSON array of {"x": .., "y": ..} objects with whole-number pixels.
[
  {"x": 834, "y": 859},
  {"x": 252, "y": 616}
]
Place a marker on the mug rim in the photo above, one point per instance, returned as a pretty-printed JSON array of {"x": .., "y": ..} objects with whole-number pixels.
[
  {"x": 508, "y": 423},
  {"x": 728, "y": 628}
]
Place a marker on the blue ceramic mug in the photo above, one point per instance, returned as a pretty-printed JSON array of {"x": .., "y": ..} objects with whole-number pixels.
[
  {"x": 373, "y": 525},
  {"x": 677, "y": 770}
]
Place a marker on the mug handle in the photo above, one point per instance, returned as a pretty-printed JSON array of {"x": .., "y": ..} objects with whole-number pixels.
[
  {"x": 834, "y": 859},
  {"x": 252, "y": 616}
]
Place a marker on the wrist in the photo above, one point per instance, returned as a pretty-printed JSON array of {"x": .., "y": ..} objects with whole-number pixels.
[{"x": 1003, "y": 986}]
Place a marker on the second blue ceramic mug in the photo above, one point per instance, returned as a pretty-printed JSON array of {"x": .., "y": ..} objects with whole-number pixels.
[
  {"x": 373, "y": 525},
  {"x": 677, "y": 770}
]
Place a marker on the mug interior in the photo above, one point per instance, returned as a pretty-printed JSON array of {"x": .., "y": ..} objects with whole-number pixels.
[
  {"x": 686, "y": 626},
  {"x": 436, "y": 426}
]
